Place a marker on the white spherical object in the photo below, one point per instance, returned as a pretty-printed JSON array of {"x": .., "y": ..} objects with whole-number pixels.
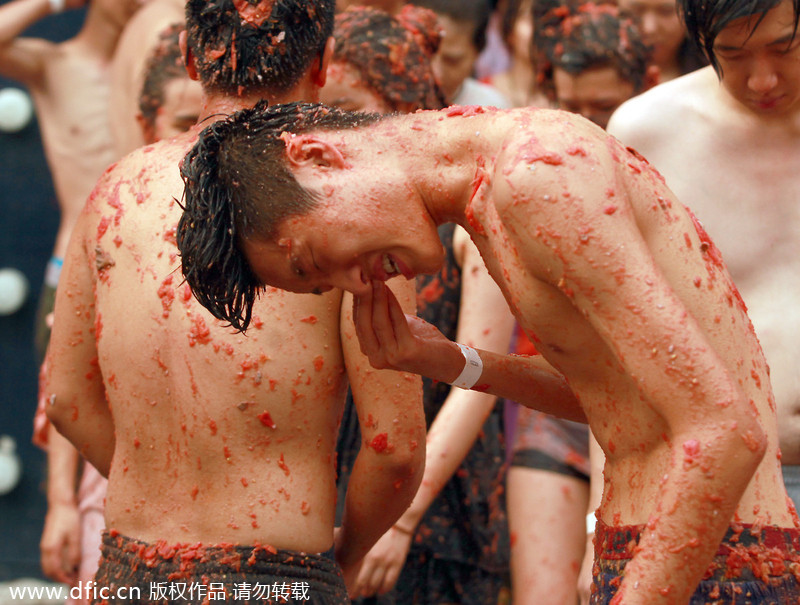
[
  {"x": 13, "y": 290},
  {"x": 10, "y": 464},
  {"x": 16, "y": 109}
]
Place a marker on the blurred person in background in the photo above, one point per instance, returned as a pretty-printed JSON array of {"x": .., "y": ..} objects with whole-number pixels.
[{"x": 464, "y": 24}]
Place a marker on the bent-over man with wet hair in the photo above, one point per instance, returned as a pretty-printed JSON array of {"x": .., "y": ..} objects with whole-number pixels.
[{"x": 618, "y": 286}]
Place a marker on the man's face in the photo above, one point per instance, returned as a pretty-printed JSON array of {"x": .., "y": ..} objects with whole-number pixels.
[
  {"x": 183, "y": 102},
  {"x": 456, "y": 56},
  {"x": 345, "y": 89},
  {"x": 347, "y": 245},
  {"x": 660, "y": 26},
  {"x": 594, "y": 93},
  {"x": 761, "y": 66}
]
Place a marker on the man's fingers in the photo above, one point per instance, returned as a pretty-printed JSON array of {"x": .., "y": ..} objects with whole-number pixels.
[
  {"x": 389, "y": 579},
  {"x": 362, "y": 318},
  {"x": 374, "y": 580}
]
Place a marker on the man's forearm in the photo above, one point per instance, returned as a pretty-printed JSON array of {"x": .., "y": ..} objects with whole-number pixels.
[
  {"x": 17, "y": 16},
  {"x": 379, "y": 491},
  {"x": 530, "y": 381},
  {"x": 696, "y": 507},
  {"x": 63, "y": 462}
]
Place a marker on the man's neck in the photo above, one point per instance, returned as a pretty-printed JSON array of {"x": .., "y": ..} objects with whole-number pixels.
[
  {"x": 442, "y": 165},
  {"x": 221, "y": 104}
]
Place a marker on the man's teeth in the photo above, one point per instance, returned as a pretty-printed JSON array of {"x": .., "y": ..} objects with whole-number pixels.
[{"x": 389, "y": 266}]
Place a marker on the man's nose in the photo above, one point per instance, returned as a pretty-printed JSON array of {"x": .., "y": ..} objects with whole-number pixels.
[
  {"x": 351, "y": 279},
  {"x": 649, "y": 23},
  {"x": 763, "y": 76}
]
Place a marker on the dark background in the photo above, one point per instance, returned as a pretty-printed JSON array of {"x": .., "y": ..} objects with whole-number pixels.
[{"x": 28, "y": 224}]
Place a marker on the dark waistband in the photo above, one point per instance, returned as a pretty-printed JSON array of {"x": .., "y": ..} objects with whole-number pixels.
[
  {"x": 192, "y": 559},
  {"x": 619, "y": 542}
]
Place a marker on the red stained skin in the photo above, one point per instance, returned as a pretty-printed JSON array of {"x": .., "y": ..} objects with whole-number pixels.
[
  {"x": 533, "y": 151},
  {"x": 311, "y": 319},
  {"x": 266, "y": 420},
  {"x": 464, "y": 110},
  {"x": 282, "y": 464},
  {"x": 102, "y": 226},
  {"x": 691, "y": 450},
  {"x": 380, "y": 442},
  {"x": 167, "y": 294},
  {"x": 199, "y": 332},
  {"x": 98, "y": 326},
  {"x": 318, "y": 363},
  {"x": 169, "y": 235}
]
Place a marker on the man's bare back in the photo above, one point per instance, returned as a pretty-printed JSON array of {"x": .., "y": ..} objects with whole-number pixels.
[
  {"x": 739, "y": 175},
  {"x": 219, "y": 437}
]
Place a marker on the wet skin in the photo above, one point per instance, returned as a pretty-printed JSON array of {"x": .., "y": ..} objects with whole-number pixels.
[
  {"x": 734, "y": 162},
  {"x": 207, "y": 435},
  {"x": 617, "y": 284}
]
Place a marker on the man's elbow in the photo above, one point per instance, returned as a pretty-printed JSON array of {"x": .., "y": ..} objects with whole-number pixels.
[
  {"x": 746, "y": 444},
  {"x": 406, "y": 465},
  {"x": 55, "y": 412}
]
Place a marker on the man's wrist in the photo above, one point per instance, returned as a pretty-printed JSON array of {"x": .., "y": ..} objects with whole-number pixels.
[
  {"x": 403, "y": 530},
  {"x": 473, "y": 368}
]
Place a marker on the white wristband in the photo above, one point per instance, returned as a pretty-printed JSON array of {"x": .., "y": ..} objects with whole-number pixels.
[
  {"x": 57, "y": 6},
  {"x": 473, "y": 368},
  {"x": 591, "y": 522}
]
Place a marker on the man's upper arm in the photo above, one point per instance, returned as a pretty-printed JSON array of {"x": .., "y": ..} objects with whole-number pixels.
[
  {"x": 23, "y": 60},
  {"x": 74, "y": 389}
]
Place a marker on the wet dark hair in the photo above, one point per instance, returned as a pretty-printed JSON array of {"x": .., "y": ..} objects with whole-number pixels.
[
  {"x": 239, "y": 186},
  {"x": 164, "y": 64},
  {"x": 595, "y": 35},
  {"x": 474, "y": 12},
  {"x": 392, "y": 54},
  {"x": 705, "y": 19},
  {"x": 264, "y": 45}
]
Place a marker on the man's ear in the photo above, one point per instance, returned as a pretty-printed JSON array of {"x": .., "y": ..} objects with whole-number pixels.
[
  {"x": 319, "y": 70},
  {"x": 311, "y": 150},
  {"x": 188, "y": 56}
]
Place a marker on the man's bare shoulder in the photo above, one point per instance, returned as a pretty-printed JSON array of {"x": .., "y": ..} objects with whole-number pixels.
[
  {"x": 659, "y": 111},
  {"x": 149, "y": 171}
]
